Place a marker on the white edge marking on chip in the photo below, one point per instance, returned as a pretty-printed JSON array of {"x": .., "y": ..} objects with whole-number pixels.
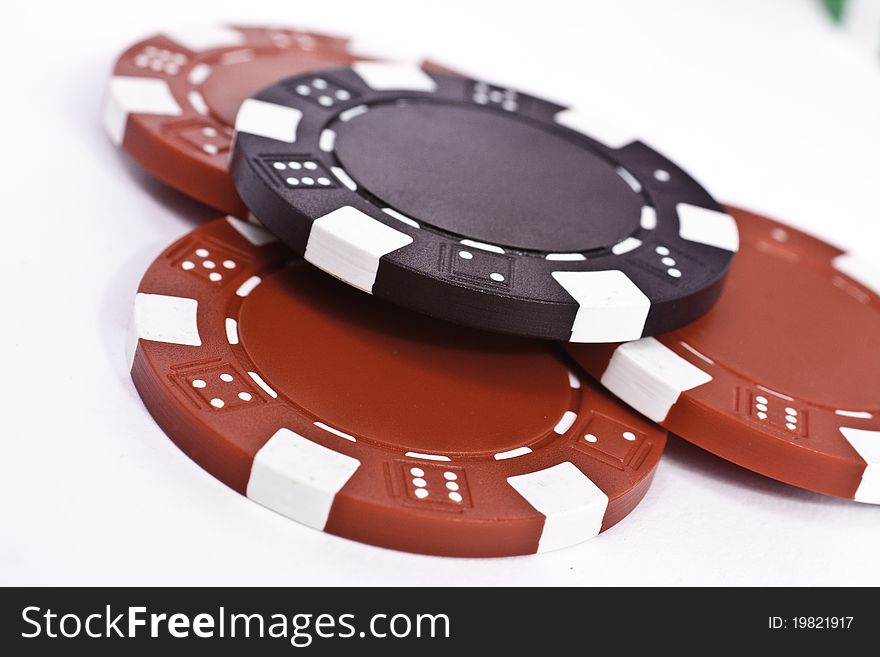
[
  {"x": 196, "y": 99},
  {"x": 696, "y": 353},
  {"x": 352, "y": 112},
  {"x": 572, "y": 505},
  {"x": 648, "y": 218},
  {"x": 348, "y": 244},
  {"x": 573, "y": 380},
  {"x": 327, "y": 140},
  {"x": 391, "y": 212},
  {"x": 299, "y": 478},
  {"x": 770, "y": 391},
  {"x": 231, "y": 331},
  {"x": 256, "y": 235},
  {"x": 513, "y": 453},
  {"x": 162, "y": 318},
  {"x": 861, "y": 271},
  {"x": 427, "y": 457},
  {"x": 265, "y": 386},
  {"x": 278, "y": 122},
  {"x": 199, "y": 73},
  {"x": 565, "y": 422},
  {"x": 206, "y": 37},
  {"x": 711, "y": 227},
  {"x": 625, "y": 246},
  {"x": 482, "y": 246},
  {"x": 135, "y": 95},
  {"x": 595, "y": 127},
  {"x": 611, "y": 308},
  {"x": 248, "y": 286},
  {"x": 237, "y": 56},
  {"x": 335, "y": 432},
  {"x": 383, "y": 76},
  {"x": 650, "y": 377},
  {"x": 565, "y": 257},
  {"x": 629, "y": 179},
  {"x": 344, "y": 178},
  {"x": 867, "y": 444},
  {"x": 863, "y": 415}
]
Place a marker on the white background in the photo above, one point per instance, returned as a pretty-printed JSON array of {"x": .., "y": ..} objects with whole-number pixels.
[{"x": 765, "y": 102}]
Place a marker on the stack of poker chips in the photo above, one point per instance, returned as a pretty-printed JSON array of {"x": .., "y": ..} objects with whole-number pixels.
[{"x": 440, "y": 315}]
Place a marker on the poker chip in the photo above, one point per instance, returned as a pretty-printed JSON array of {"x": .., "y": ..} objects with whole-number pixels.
[
  {"x": 368, "y": 421},
  {"x": 782, "y": 377},
  {"x": 479, "y": 204},
  {"x": 172, "y": 100}
]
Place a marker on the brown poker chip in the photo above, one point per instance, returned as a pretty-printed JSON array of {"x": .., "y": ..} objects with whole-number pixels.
[
  {"x": 781, "y": 377},
  {"x": 172, "y": 99},
  {"x": 368, "y": 421}
]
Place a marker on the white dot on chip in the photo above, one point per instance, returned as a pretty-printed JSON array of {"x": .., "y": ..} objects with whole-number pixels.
[
  {"x": 310, "y": 165},
  {"x": 303, "y": 90},
  {"x": 790, "y": 426},
  {"x": 662, "y": 250},
  {"x": 202, "y": 253},
  {"x": 675, "y": 273},
  {"x": 662, "y": 175},
  {"x": 450, "y": 476},
  {"x": 217, "y": 402},
  {"x": 319, "y": 83},
  {"x": 761, "y": 407},
  {"x": 590, "y": 438},
  {"x": 791, "y": 411},
  {"x": 245, "y": 396},
  {"x": 226, "y": 377},
  {"x": 421, "y": 493},
  {"x": 208, "y": 264},
  {"x": 791, "y": 418},
  {"x": 669, "y": 262},
  {"x": 417, "y": 472},
  {"x": 208, "y": 131},
  {"x": 761, "y": 399},
  {"x": 495, "y": 276},
  {"x": 292, "y": 181},
  {"x": 342, "y": 94},
  {"x": 229, "y": 264},
  {"x": 323, "y": 181},
  {"x": 762, "y": 415},
  {"x": 198, "y": 383},
  {"x": 186, "y": 264},
  {"x": 419, "y": 482},
  {"x": 451, "y": 485},
  {"x": 467, "y": 255},
  {"x": 294, "y": 165},
  {"x": 455, "y": 497},
  {"x": 214, "y": 276},
  {"x": 280, "y": 166},
  {"x": 629, "y": 435},
  {"x": 308, "y": 181},
  {"x": 326, "y": 101}
]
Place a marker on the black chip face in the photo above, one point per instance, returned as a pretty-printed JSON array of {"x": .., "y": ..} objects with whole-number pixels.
[{"x": 481, "y": 205}]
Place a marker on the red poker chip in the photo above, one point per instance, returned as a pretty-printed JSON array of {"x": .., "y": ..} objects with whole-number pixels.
[
  {"x": 781, "y": 377},
  {"x": 172, "y": 100},
  {"x": 366, "y": 420}
]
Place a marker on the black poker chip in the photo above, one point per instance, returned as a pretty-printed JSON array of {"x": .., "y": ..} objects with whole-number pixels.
[{"x": 481, "y": 205}]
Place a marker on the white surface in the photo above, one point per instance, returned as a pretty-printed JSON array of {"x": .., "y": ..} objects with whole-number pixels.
[{"x": 764, "y": 101}]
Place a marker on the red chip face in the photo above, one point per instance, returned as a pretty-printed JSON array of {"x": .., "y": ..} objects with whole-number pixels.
[
  {"x": 172, "y": 100},
  {"x": 782, "y": 377},
  {"x": 368, "y": 421}
]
